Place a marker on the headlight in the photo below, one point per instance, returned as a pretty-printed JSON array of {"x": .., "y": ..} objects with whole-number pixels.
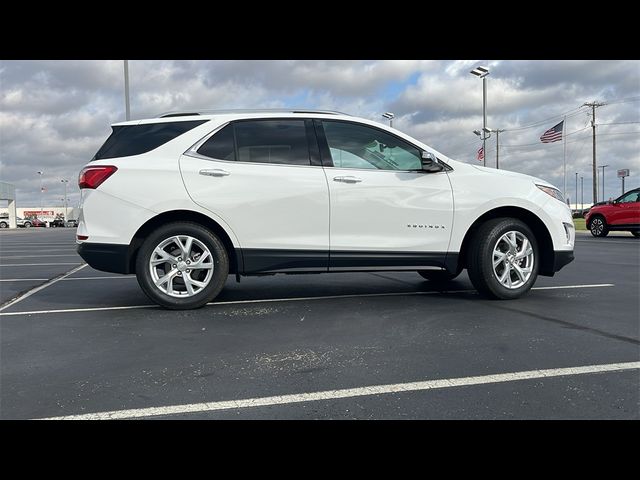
[{"x": 554, "y": 192}]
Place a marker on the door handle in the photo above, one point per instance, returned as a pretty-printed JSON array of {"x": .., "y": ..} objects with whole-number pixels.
[
  {"x": 347, "y": 179},
  {"x": 215, "y": 172}
]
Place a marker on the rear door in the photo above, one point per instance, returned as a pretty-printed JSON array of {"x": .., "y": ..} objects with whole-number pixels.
[{"x": 263, "y": 178}]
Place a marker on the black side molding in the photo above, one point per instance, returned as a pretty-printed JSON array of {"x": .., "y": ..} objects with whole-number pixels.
[{"x": 107, "y": 257}]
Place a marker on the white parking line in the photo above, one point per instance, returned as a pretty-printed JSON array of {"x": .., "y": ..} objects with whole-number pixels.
[
  {"x": 118, "y": 277},
  {"x": 40, "y": 256},
  {"x": 27, "y": 294},
  {"x": 350, "y": 392},
  {"x": 23, "y": 279},
  {"x": 294, "y": 299},
  {"x": 37, "y": 264}
]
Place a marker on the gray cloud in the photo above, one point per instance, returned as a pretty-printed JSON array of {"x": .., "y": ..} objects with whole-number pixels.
[{"x": 55, "y": 114}]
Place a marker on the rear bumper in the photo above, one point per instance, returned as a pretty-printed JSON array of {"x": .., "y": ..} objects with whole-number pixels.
[
  {"x": 562, "y": 258},
  {"x": 107, "y": 257}
]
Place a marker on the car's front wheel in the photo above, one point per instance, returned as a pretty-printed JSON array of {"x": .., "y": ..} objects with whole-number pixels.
[
  {"x": 4, "y": 225},
  {"x": 503, "y": 258},
  {"x": 598, "y": 226},
  {"x": 182, "y": 265},
  {"x": 27, "y": 224}
]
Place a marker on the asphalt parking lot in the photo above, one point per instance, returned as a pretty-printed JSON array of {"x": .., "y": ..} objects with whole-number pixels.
[{"x": 338, "y": 346}]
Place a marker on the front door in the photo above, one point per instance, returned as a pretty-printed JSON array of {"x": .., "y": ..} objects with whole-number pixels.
[{"x": 385, "y": 211}]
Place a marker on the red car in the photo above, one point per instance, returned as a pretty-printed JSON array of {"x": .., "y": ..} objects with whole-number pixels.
[{"x": 623, "y": 213}]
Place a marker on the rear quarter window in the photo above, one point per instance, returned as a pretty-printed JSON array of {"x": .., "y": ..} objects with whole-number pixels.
[{"x": 129, "y": 140}]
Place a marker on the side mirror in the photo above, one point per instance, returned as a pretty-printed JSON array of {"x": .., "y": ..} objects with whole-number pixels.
[{"x": 430, "y": 163}]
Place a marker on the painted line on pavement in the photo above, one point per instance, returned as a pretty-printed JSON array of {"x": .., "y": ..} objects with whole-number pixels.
[
  {"x": 349, "y": 392},
  {"x": 28, "y": 293},
  {"x": 294, "y": 299}
]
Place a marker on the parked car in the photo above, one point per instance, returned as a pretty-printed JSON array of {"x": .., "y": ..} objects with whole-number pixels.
[
  {"x": 30, "y": 222},
  {"x": 185, "y": 199},
  {"x": 621, "y": 214},
  {"x": 58, "y": 222},
  {"x": 72, "y": 222}
]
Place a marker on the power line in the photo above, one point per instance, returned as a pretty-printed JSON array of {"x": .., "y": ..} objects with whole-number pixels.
[{"x": 576, "y": 111}]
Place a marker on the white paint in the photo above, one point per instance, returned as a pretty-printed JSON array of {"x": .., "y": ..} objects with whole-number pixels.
[
  {"x": 24, "y": 279},
  {"x": 40, "y": 256},
  {"x": 595, "y": 285},
  {"x": 350, "y": 392},
  {"x": 295, "y": 299},
  {"x": 36, "y": 264},
  {"x": 28, "y": 293}
]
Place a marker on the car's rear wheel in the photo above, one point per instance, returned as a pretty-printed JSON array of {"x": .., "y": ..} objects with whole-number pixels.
[
  {"x": 437, "y": 276},
  {"x": 503, "y": 258},
  {"x": 27, "y": 224},
  {"x": 182, "y": 265},
  {"x": 598, "y": 226}
]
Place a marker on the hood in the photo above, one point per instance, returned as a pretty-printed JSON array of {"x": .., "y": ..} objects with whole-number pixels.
[{"x": 520, "y": 176}]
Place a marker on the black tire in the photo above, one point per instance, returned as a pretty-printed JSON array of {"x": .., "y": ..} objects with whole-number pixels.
[
  {"x": 437, "y": 276},
  {"x": 635, "y": 233},
  {"x": 4, "y": 225},
  {"x": 208, "y": 293},
  {"x": 480, "y": 258},
  {"x": 598, "y": 226},
  {"x": 27, "y": 224}
]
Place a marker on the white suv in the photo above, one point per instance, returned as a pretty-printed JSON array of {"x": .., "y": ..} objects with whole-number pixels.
[{"x": 185, "y": 199}]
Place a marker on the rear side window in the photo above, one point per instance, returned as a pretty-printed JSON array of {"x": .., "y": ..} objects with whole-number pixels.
[
  {"x": 220, "y": 145},
  {"x": 272, "y": 141},
  {"x": 129, "y": 140}
]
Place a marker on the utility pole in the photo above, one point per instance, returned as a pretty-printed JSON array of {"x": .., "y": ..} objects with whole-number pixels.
[
  {"x": 498, "y": 132},
  {"x": 593, "y": 106}
]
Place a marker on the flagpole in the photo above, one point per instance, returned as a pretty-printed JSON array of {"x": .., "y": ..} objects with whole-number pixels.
[{"x": 564, "y": 159}]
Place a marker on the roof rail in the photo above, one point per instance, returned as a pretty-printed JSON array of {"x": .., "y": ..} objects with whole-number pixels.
[{"x": 184, "y": 113}]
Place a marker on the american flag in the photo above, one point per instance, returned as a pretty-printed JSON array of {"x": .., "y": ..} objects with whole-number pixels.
[
  {"x": 481, "y": 153},
  {"x": 554, "y": 134}
]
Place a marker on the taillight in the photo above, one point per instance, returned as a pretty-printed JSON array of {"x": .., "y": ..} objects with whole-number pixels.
[{"x": 92, "y": 177}]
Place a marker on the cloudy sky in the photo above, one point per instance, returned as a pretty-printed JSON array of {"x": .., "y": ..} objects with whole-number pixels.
[{"x": 54, "y": 115}]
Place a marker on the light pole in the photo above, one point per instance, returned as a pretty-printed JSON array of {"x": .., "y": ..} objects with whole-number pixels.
[
  {"x": 127, "y": 110},
  {"x": 576, "y": 190},
  {"x": 482, "y": 72},
  {"x": 603, "y": 167},
  {"x": 581, "y": 196},
  {"x": 390, "y": 116},
  {"x": 41, "y": 191},
  {"x": 65, "y": 181}
]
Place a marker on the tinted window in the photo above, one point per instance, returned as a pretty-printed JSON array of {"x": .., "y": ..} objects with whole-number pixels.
[
  {"x": 272, "y": 141},
  {"x": 359, "y": 146},
  {"x": 220, "y": 145},
  {"x": 137, "y": 139}
]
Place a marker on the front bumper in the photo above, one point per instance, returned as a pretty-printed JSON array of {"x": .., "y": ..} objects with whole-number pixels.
[
  {"x": 107, "y": 257},
  {"x": 562, "y": 258}
]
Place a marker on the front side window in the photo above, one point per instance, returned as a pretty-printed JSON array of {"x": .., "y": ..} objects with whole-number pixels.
[
  {"x": 363, "y": 147},
  {"x": 629, "y": 197}
]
